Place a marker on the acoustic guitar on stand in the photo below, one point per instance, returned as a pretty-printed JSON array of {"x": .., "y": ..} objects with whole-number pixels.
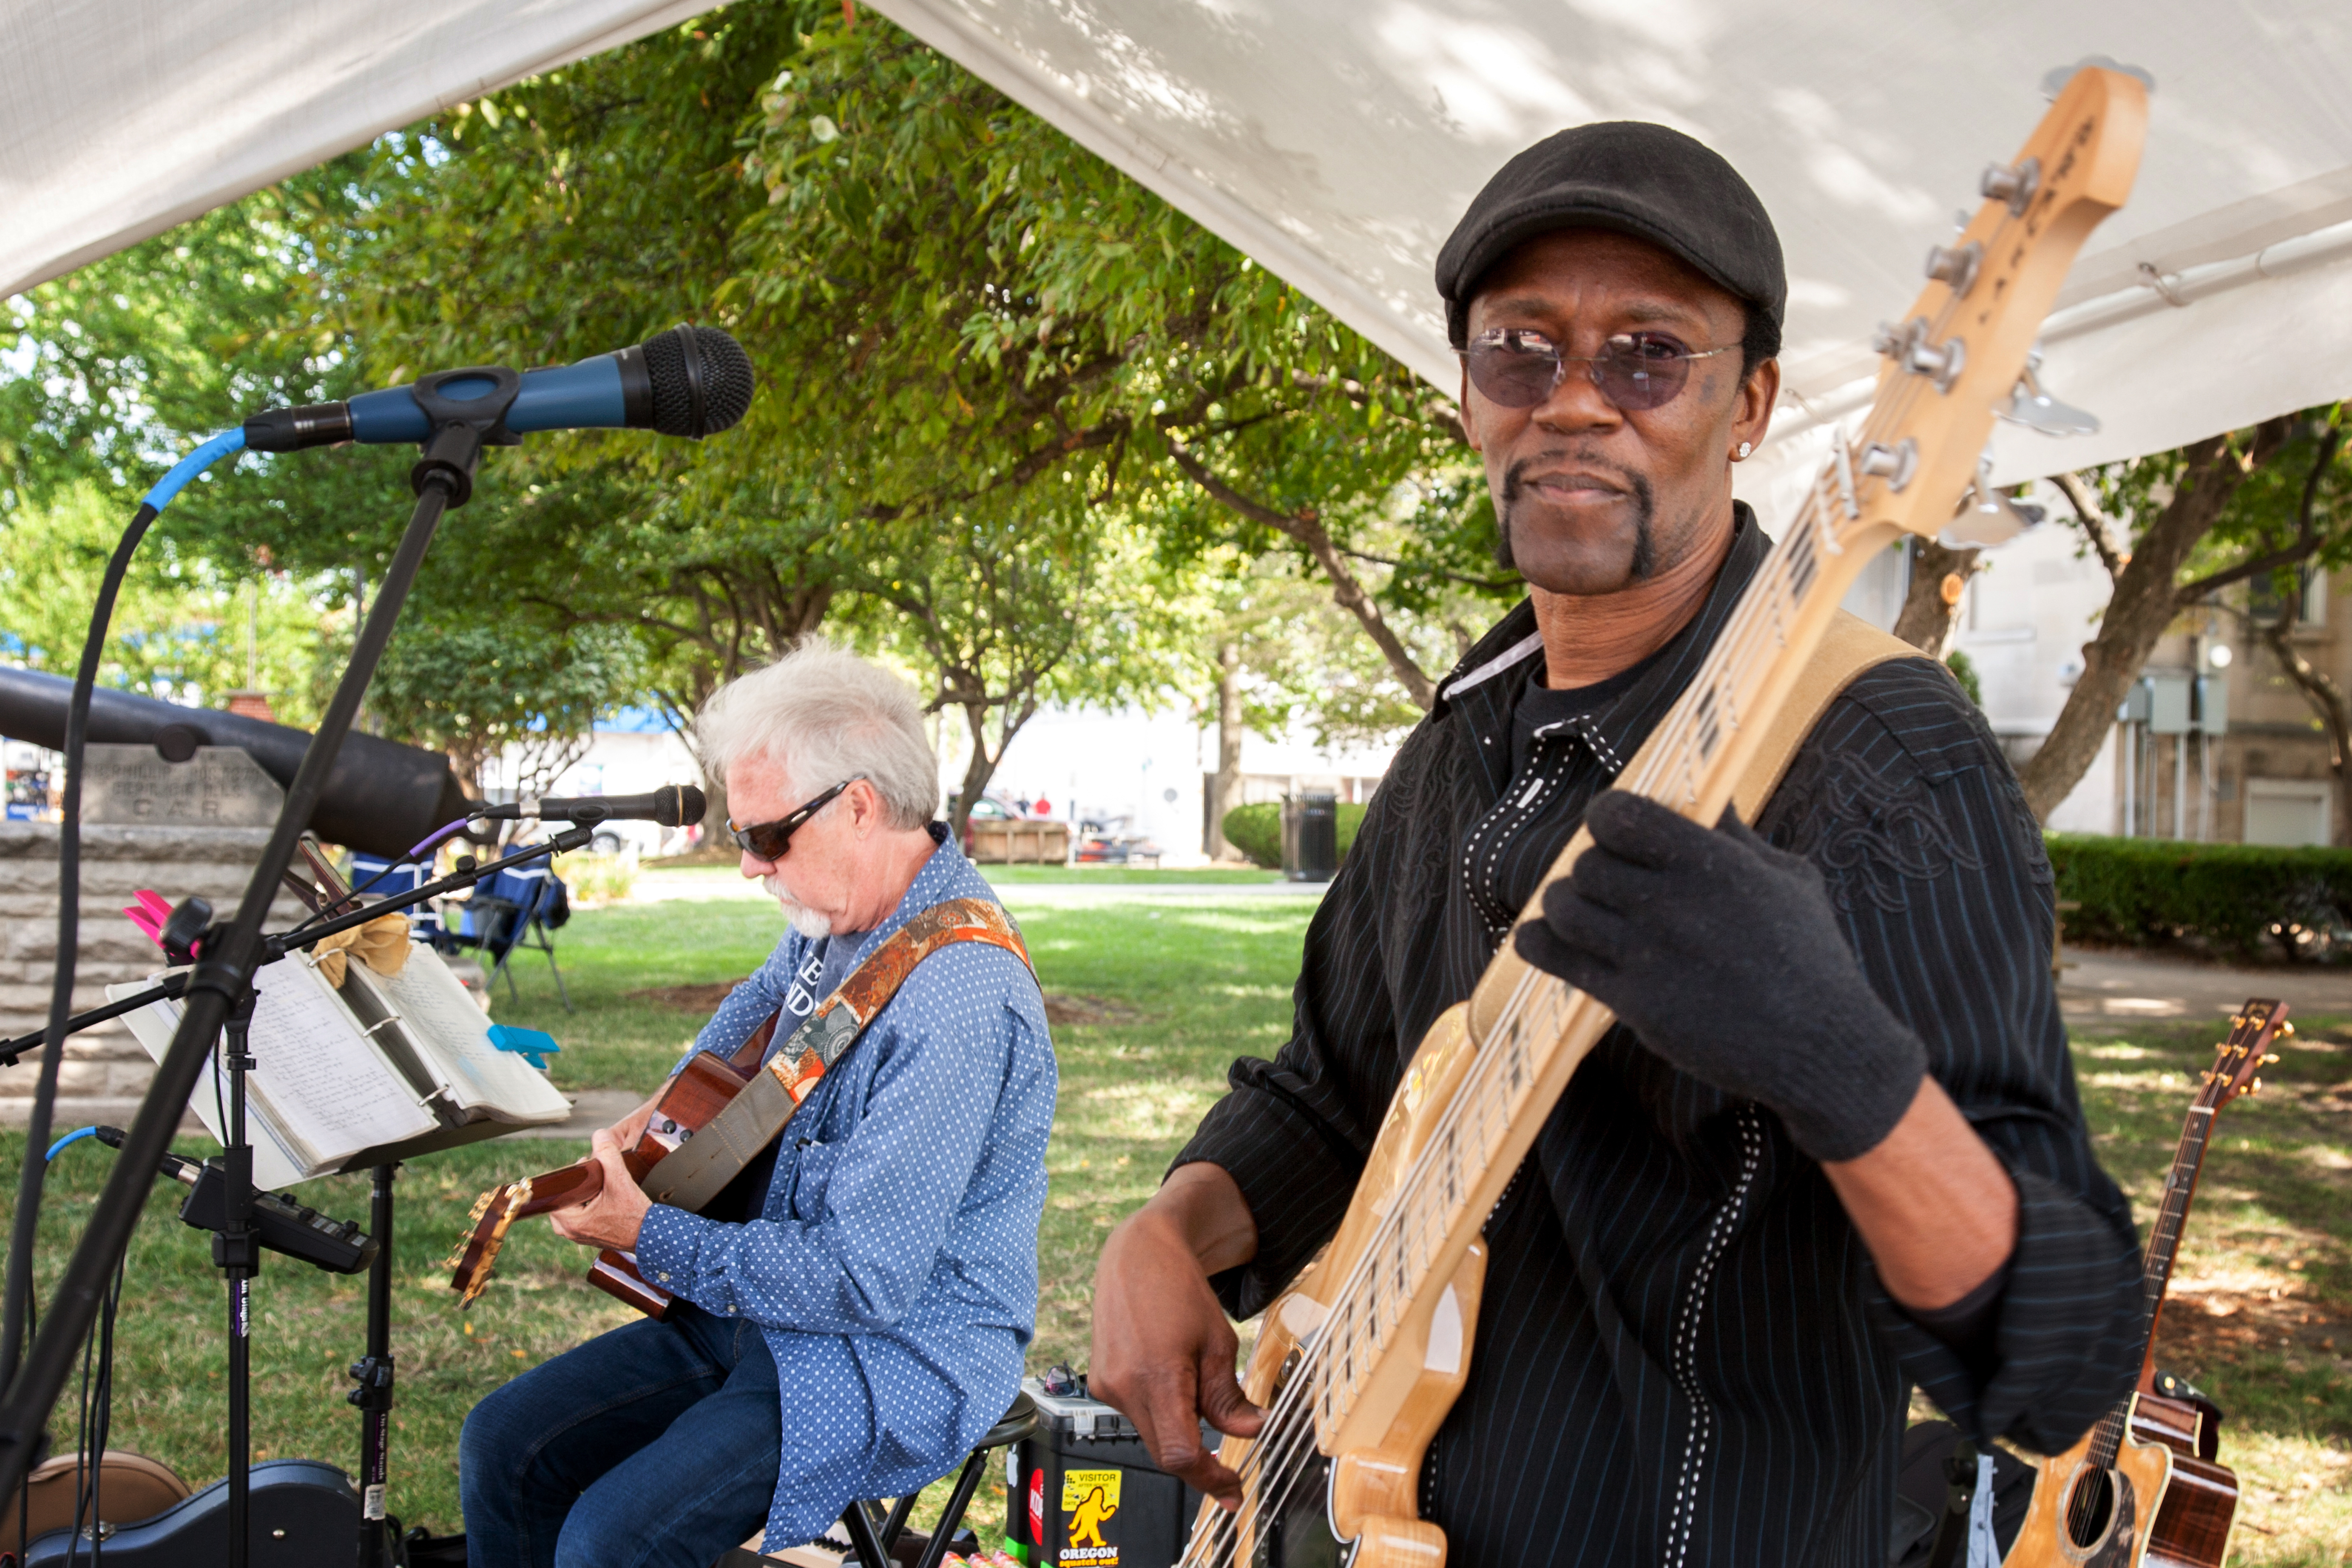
[
  {"x": 1359, "y": 1361},
  {"x": 2141, "y": 1487}
]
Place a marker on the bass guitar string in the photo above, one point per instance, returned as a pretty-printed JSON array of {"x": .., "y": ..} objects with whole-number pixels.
[
  {"x": 1481, "y": 1094},
  {"x": 1739, "y": 641},
  {"x": 1285, "y": 1453}
]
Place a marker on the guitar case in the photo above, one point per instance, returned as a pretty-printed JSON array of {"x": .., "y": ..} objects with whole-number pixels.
[
  {"x": 304, "y": 1513},
  {"x": 130, "y": 1486}
]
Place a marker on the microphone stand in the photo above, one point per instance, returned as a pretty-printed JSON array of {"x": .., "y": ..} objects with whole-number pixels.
[{"x": 223, "y": 976}]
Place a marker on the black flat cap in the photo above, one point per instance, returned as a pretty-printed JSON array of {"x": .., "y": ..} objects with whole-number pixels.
[{"x": 1625, "y": 175}]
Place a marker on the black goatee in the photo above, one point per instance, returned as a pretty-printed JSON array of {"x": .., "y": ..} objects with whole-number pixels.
[{"x": 1645, "y": 544}]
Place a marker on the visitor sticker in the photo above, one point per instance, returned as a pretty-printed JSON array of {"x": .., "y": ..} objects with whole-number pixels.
[{"x": 1089, "y": 1498}]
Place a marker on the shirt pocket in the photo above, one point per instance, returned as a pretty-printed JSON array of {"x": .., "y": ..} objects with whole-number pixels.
[{"x": 812, "y": 1173}]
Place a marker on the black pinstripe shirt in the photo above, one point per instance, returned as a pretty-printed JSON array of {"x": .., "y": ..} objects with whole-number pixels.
[{"x": 1684, "y": 1355}]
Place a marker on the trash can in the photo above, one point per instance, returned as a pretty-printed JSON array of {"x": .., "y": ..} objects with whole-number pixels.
[{"x": 1310, "y": 838}]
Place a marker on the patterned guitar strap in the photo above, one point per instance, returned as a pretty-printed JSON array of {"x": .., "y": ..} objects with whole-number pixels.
[{"x": 697, "y": 1171}]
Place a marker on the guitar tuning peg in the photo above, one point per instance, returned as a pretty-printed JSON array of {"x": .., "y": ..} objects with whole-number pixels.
[
  {"x": 2032, "y": 406},
  {"x": 2270, "y": 1059},
  {"x": 1987, "y": 517},
  {"x": 2284, "y": 1030},
  {"x": 2255, "y": 1087}
]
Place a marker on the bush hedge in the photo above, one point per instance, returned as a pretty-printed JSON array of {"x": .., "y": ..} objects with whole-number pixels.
[
  {"x": 1256, "y": 831},
  {"x": 2235, "y": 900}
]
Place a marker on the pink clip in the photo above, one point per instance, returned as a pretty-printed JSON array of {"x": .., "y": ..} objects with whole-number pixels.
[{"x": 149, "y": 913}]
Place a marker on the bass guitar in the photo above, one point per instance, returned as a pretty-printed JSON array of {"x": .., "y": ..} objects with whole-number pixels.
[
  {"x": 1358, "y": 1364},
  {"x": 2141, "y": 1486},
  {"x": 718, "y": 1113}
]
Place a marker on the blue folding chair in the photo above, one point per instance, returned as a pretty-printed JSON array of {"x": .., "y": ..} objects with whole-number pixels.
[
  {"x": 517, "y": 908},
  {"x": 373, "y": 877}
]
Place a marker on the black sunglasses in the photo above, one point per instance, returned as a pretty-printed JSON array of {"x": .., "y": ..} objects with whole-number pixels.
[
  {"x": 1519, "y": 369},
  {"x": 768, "y": 840}
]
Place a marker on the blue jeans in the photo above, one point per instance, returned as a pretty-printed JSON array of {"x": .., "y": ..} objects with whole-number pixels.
[{"x": 655, "y": 1444}]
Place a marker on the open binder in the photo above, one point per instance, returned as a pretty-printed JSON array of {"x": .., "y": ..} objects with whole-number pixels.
[{"x": 384, "y": 1069}]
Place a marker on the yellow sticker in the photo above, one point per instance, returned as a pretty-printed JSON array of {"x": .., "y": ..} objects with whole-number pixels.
[{"x": 1089, "y": 1498}]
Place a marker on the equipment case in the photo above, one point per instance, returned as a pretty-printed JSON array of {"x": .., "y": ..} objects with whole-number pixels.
[{"x": 1084, "y": 1494}]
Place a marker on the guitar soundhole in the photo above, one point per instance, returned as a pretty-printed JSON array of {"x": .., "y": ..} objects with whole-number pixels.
[
  {"x": 2098, "y": 1512},
  {"x": 2091, "y": 1508}
]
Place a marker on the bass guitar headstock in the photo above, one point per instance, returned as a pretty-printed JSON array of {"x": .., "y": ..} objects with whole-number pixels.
[
  {"x": 1961, "y": 354},
  {"x": 2237, "y": 1061}
]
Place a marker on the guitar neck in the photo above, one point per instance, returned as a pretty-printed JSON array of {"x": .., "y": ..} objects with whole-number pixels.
[
  {"x": 2172, "y": 1215},
  {"x": 2231, "y": 1075}
]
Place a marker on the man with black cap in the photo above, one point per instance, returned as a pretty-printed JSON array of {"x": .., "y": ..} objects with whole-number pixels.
[{"x": 1833, "y": 1149}]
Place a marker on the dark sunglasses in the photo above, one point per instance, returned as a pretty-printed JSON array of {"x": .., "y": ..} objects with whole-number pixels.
[
  {"x": 768, "y": 840},
  {"x": 1519, "y": 369}
]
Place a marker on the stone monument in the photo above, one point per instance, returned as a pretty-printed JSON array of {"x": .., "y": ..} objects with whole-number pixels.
[{"x": 198, "y": 827}]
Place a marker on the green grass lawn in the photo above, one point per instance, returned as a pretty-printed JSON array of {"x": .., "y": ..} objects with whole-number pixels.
[
  {"x": 1150, "y": 1002},
  {"x": 1011, "y": 875}
]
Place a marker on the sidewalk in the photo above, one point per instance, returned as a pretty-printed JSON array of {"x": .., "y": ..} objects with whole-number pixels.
[
  {"x": 2103, "y": 989},
  {"x": 662, "y": 887}
]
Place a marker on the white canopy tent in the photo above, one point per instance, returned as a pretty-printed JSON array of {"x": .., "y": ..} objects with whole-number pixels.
[{"x": 1337, "y": 140}]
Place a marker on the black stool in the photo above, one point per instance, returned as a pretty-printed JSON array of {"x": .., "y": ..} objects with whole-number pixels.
[{"x": 864, "y": 1520}]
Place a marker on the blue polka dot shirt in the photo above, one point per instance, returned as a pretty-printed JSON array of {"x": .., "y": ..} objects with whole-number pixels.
[{"x": 894, "y": 1270}]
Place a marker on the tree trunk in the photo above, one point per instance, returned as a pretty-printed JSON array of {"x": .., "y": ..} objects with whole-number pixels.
[
  {"x": 980, "y": 766},
  {"x": 714, "y": 811},
  {"x": 1224, "y": 791},
  {"x": 2146, "y": 600},
  {"x": 2328, "y": 701},
  {"x": 1931, "y": 606},
  {"x": 1347, "y": 590}
]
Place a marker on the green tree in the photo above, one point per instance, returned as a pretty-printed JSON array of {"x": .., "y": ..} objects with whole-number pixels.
[
  {"x": 953, "y": 302},
  {"x": 474, "y": 689},
  {"x": 2175, "y": 529},
  {"x": 1006, "y": 614},
  {"x": 184, "y": 630}
]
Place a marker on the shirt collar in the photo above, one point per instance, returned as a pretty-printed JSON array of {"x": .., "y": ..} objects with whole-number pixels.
[
  {"x": 946, "y": 875},
  {"x": 1485, "y": 687}
]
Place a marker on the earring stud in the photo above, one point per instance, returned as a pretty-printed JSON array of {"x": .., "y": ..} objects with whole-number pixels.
[{"x": 1744, "y": 449}]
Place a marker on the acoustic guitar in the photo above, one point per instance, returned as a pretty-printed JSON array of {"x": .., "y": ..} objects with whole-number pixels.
[
  {"x": 719, "y": 1113},
  {"x": 2141, "y": 1486},
  {"x": 1359, "y": 1361}
]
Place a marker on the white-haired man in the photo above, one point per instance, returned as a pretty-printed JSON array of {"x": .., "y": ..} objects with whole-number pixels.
[{"x": 851, "y": 1314}]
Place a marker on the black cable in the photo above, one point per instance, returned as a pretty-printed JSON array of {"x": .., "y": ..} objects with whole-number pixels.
[
  {"x": 17, "y": 1285},
  {"x": 219, "y": 979}
]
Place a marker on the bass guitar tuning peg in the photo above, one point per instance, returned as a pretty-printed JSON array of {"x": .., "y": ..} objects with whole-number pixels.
[
  {"x": 2032, "y": 406},
  {"x": 1987, "y": 517}
]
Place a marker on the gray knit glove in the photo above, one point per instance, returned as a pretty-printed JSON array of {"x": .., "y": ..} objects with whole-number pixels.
[{"x": 1726, "y": 957}]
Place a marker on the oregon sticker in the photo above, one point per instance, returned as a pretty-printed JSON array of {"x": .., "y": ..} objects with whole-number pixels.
[{"x": 1089, "y": 1498}]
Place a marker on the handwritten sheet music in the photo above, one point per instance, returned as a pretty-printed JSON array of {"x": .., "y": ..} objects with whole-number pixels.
[
  {"x": 281, "y": 1155},
  {"x": 325, "y": 1085},
  {"x": 448, "y": 1026}
]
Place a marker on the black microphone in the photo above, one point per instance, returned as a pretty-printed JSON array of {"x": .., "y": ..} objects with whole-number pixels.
[
  {"x": 672, "y": 805},
  {"x": 688, "y": 381}
]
